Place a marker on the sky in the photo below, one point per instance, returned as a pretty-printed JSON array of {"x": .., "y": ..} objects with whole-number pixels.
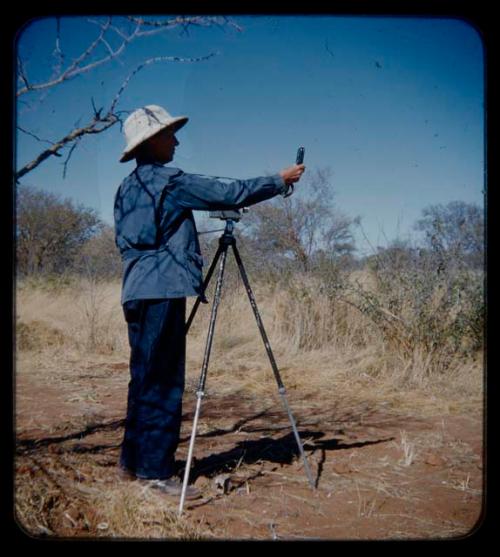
[{"x": 392, "y": 106}]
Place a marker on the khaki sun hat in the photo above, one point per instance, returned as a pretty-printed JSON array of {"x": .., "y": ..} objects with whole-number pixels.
[{"x": 145, "y": 122}]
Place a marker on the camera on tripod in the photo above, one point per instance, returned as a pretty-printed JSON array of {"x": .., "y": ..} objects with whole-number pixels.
[{"x": 234, "y": 214}]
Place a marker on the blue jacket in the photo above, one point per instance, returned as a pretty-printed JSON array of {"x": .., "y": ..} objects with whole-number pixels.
[{"x": 155, "y": 230}]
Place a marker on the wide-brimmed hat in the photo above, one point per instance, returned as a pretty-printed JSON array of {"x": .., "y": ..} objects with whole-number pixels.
[{"x": 145, "y": 122}]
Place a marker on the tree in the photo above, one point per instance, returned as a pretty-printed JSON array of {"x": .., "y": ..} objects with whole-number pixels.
[
  {"x": 429, "y": 297},
  {"x": 101, "y": 49},
  {"x": 99, "y": 256},
  {"x": 454, "y": 233},
  {"x": 303, "y": 228},
  {"x": 50, "y": 231}
]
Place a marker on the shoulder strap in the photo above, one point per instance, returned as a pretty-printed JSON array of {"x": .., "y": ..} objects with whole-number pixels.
[{"x": 156, "y": 209}]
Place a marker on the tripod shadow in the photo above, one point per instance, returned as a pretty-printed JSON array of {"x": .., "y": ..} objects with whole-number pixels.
[{"x": 282, "y": 451}]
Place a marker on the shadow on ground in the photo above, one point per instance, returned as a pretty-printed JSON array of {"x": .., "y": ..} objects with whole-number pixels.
[{"x": 272, "y": 445}]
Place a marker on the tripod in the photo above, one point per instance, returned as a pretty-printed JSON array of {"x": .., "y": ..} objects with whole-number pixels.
[{"x": 227, "y": 239}]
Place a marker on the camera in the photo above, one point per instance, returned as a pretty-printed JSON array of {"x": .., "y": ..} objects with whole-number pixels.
[{"x": 233, "y": 214}]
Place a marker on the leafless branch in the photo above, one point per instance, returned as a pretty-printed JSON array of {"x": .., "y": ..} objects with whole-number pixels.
[
  {"x": 152, "y": 61},
  {"x": 77, "y": 69},
  {"x": 97, "y": 113},
  {"x": 202, "y": 21},
  {"x": 95, "y": 126},
  {"x": 58, "y": 53},
  {"x": 73, "y": 147},
  {"x": 100, "y": 123},
  {"x": 33, "y": 135},
  {"x": 108, "y": 47},
  {"x": 86, "y": 53},
  {"x": 21, "y": 72},
  {"x": 73, "y": 69}
]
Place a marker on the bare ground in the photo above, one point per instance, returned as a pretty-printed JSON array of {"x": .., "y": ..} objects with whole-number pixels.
[{"x": 382, "y": 470}]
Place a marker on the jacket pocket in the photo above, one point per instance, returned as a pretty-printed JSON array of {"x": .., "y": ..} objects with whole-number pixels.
[
  {"x": 195, "y": 269},
  {"x": 196, "y": 258}
]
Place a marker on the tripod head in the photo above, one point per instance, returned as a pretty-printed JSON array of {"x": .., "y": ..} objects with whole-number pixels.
[{"x": 234, "y": 214}]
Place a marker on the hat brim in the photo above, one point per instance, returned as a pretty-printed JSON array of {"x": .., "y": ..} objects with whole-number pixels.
[{"x": 176, "y": 124}]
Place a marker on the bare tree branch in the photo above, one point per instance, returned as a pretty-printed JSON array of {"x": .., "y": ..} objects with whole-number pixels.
[
  {"x": 109, "y": 120},
  {"x": 73, "y": 69},
  {"x": 73, "y": 147},
  {"x": 152, "y": 61},
  {"x": 108, "y": 47},
  {"x": 95, "y": 126},
  {"x": 21, "y": 72},
  {"x": 97, "y": 113},
  {"x": 58, "y": 53},
  {"x": 76, "y": 69},
  {"x": 202, "y": 21},
  {"x": 99, "y": 123},
  {"x": 33, "y": 135}
]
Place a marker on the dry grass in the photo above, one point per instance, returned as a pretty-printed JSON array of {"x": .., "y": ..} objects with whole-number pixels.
[
  {"x": 52, "y": 502},
  {"x": 84, "y": 315},
  {"x": 319, "y": 342},
  {"x": 322, "y": 346}
]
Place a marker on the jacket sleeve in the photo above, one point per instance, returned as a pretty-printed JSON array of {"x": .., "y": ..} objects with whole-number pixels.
[{"x": 209, "y": 193}]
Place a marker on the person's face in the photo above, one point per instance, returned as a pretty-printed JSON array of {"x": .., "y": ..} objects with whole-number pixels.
[{"x": 163, "y": 145}]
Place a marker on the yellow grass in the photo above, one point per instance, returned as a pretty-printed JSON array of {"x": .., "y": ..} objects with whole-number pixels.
[{"x": 318, "y": 345}]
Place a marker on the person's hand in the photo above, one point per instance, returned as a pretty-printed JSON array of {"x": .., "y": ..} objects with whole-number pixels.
[{"x": 292, "y": 174}]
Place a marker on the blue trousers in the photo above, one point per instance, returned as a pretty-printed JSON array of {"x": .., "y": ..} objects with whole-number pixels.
[{"x": 156, "y": 331}]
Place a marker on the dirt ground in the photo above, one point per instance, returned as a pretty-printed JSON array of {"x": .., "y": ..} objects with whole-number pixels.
[{"x": 381, "y": 472}]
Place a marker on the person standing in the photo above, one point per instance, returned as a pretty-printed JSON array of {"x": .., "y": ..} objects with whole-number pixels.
[{"x": 156, "y": 235}]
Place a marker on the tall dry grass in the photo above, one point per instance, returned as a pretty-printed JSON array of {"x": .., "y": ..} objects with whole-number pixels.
[
  {"x": 82, "y": 315},
  {"x": 319, "y": 336}
]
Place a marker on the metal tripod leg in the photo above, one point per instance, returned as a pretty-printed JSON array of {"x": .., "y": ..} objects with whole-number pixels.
[
  {"x": 205, "y": 284},
  {"x": 281, "y": 387},
  {"x": 201, "y": 385}
]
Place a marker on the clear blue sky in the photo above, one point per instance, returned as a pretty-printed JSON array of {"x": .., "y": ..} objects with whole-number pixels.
[{"x": 392, "y": 105}]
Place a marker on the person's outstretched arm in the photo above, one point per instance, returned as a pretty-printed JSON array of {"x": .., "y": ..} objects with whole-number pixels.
[{"x": 199, "y": 192}]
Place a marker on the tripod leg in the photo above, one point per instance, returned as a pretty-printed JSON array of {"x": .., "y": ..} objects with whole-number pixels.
[
  {"x": 203, "y": 376},
  {"x": 281, "y": 387},
  {"x": 205, "y": 284}
]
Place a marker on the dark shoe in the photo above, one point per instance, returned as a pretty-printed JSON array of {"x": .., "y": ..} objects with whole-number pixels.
[{"x": 174, "y": 487}]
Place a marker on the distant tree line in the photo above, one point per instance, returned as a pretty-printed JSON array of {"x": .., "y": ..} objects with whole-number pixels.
[
  {"x": 55, "y": 236},
  {"x": 423, "y": 297},
  {"x": 303, "y": 233}
]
